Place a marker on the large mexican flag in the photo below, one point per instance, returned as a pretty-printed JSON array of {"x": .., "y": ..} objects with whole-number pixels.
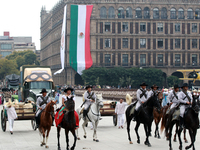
[{"x": 79, "y": 48}]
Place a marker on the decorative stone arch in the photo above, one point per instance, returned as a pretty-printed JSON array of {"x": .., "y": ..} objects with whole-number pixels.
[{"x": 178, "y": 74}]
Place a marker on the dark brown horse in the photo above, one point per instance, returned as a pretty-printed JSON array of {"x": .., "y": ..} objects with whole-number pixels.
[
  {"x": 46, "y": 121},
  {"x": 68, "y": 123}
]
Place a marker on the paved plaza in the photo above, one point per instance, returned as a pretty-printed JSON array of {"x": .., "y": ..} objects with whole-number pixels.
[{"x": 110, "y": 137}]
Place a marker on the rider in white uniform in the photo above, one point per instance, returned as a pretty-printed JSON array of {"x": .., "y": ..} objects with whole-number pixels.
[
  {"x": 154, "y": 89},
  {"x": 173, "y": 97},
  {"x": 185, "y": 99},
  {"x": 90, "y": 98},
  {"x": 142, "y": 96}
]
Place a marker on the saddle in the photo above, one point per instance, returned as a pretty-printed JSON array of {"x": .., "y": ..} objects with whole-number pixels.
[
  {"x": 132, "y": 108},
  {"x": 175, "y": 112}
]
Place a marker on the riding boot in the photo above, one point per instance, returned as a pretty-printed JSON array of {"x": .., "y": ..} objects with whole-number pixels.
[
  {"x": 37, "y": 122},
  {"x": 181, "y": 122},
  {"x": 52, "y": 121},
  {"x": 134, "y": 115},
  {"x": 84, "y": 114}
]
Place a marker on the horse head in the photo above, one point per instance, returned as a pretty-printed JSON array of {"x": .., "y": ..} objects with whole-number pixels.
[
  {"x": 195, "y": 103},
  {"x": 69, "y": 104},
  {"x": 99, "y": 103},
  {"x": 50, "y": 106},
  {"x": 155, "y": 100}
]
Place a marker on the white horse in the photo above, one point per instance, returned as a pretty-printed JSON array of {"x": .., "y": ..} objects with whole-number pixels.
[{"x": 92, "y": 116}]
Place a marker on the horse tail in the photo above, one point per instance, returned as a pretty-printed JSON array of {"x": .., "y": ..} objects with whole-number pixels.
[{"x": 164, "y": 120}]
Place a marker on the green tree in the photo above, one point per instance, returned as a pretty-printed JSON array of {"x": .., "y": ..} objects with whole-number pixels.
[
  {"x": 20, "y": 61},
  {"x": 171, "y": 80},
  {"x": 30, "y": 58},
  {"x": 121, "y": 81}
]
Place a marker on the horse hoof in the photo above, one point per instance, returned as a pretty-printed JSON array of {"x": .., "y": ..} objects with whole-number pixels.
[
  {"x": 46, "y": 146},
  {"x": 97, "y": 140},
  {"x": 41, "y": 144},
  {"x": 93, "y": 139},
  {"x": 130, "y": 142},
  {"x": 150, "y": 134},
  {"x": 174, "y": 140},
  {"x": 84, "y": 136},
  {"x": 59, "y": 148},
  {"x": 72, "y": 148},
  {"x": 147, "y": 143},
  {"x": 158, "y": 137},
  {"x": 180, "y": 147},
  {"x": 155, "y": 136},
  {"x": 78, "y": 139},
  {"x": 187, "y": 147},
  {"x": 186, "y": 141},
  {"x": 138, "y": 141},
  {"x": 170, "y": 148}
]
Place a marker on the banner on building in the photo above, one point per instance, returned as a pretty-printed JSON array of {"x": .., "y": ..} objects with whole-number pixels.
[
  {"x": 62, "y": 43},
  {"x": 79, "y": 49}
]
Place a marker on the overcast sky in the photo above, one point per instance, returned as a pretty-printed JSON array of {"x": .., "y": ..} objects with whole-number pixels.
[{"x": 22, "y": 17}]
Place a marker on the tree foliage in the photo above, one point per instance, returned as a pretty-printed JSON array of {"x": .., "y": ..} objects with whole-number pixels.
[
  {"x": 123, "y": 77},
  {"x": 172, "y": 80}
]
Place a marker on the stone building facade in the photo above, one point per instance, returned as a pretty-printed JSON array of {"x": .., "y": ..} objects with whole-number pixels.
[{"x": 161, "y": 34}]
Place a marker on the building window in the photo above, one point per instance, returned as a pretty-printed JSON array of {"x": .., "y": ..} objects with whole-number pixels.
[
  {"x": 125, "y": 26},
  {"x": 142, "y": 43},
  {"x": 142, "y": 26},
  {"x": 194, "y": 59},
  {"x": 138, "y": 13},
  {"x": 107, "y": 26},
  {"x": 142, "y": 59},
  {"x": 125, "y": 60},
  {"x": 194, "y": 27},
  {"x": 190, "y": 14},
  {"x": 120, "y": 12},
  {"x": 177, "y": 27},
  {"x": 177, "y": 59},
  {"x": 160, "y": 27},
  {"x": 107, "y": 59},
  {"x": 103, "y": 12},
  {"x": 6, "y": 46},
  {"x": 146, "y": 13},
  {"x": 177, "y": 43},
  {"x": 125, "y": 42},
  {"x": 111, "y": 12},
  {"x": 155, "y": 13},
  {"x": 129, "y": 12},
  {"x": 164, "y": 13},
  {"x": 4, "y": 54},
  {"x": 180, "y": 13},
  {"x": 197, "y": 14},
  {"x": 160, "y": 59},
  {"x": 107, "y": 43},
  {"x": 160, "y": 43},
  {"x": 194, "y": 43},
  {"x": 173, "y": 13}
]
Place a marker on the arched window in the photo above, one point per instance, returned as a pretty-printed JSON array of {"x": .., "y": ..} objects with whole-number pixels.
[
  {"x": 181, "y": 13},
  {"x": 197, "y": 14},
  {"x": 146, "y": 13},
  {"x": 120, "y": 12},
  {"x": 129, "y": 12},
  {"x": 138, "y": 13},
  {"x": 103, "y": 13},
  {"x": 164, "y": 13},
  {"x": 111, "y": 12},
  {"x": 190, "y": 13},
  {"x": 173, "y": 13},
  {"x": 155, "y": 13}
]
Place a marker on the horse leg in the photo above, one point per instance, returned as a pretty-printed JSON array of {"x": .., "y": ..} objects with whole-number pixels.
[
  {"x": 47, "y": 136},
  {"x": 58, "y": 137},
  {"x": 43, "y": 135},
  {"x": 170, "y": 134},
  {"x": 184, "y": 132},
  {"x": 192, "y": 139},
  {"x": 147, "y": 131},
  {"x": 95, "y": 131},
  {"x": 75, "y": 138},
  {"x": 176, "y": 131},
  {"x": 136, "y": 131},
  {"x": 179, "y": 138},
  {"x": 156, "y": 128},
  {"x": 67, "y": 138},
  {"x": 83, "y": 125},
  {"x": 128, "y": 130}
]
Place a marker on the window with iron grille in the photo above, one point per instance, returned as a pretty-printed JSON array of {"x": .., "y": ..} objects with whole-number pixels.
[
  {"x": 107, "y": 59},
  {"x": 177, "y": 43},
  {"x": 177, "y": 27},
  {"x": 173, "y": 13},
  {"x": 143, "y": 59},
  {"x": 194, "y": 27},
  {"x": 129, "y": 12},
  {"x": 103, "y": 12},
  {"x": 177, "y": 59},
  {"x": 160, "y": 27},
  {"x": 125, "y": 42},
  {"x": 142, "y": 26},
  {"x": 138, "y": 13},
  {"x": 125, "y": 26},
  {"x": 111, "y": 12},
  {"x": 146, "y": 13},
  {"x": 197, "y": 14},
  {"x": 107, "y": 43},
  {"x": 190, "y": 13},
  {"x": 107, "y": 26},
  {"x": 160, "y": 43},
  {"x": 160, "y": 59},
  {"x": 155, "y": 13},
  {"x": 180, "y": 13},
  {"x": 120, "y": 12},
  {"x": 194, "y": 59},
  {"x": 142, "y": 43},
  {"x": 194, "y": 43},
  {"x": 164, "y": 13},
  {"x": 125, "y": 59}
]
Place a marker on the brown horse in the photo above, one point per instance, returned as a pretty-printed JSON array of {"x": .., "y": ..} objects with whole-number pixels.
[
  {"x": 46, "y": 121},
  {"x": 68, "y": 123}
]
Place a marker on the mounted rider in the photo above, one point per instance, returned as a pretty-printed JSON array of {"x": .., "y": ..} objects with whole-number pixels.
[
  {"x": 41, "y": 103},
  {"x": 142, "y": 96},
  {"x": 154, "y": 90},
  {"x": 90, "y": 97},
  {"x": 173, "y": 96},
  {"x": 185, "y": 99}
]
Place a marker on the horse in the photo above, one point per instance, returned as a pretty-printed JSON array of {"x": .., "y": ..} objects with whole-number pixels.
[
  {"x": 145, "y": 116},
  {"x": 46, "y": 121},
  {"x": 191, "y": 121},
  {"x": 68, "y": 123},
  {"x": 92, "y": 116},
  {"x": 157, "y": 116}
]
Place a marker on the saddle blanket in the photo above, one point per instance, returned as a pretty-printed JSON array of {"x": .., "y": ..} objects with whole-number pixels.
[{"x": 176, "y": 115}]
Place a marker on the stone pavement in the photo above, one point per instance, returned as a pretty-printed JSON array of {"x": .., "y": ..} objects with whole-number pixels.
[{"x": 110, "y": 137}]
